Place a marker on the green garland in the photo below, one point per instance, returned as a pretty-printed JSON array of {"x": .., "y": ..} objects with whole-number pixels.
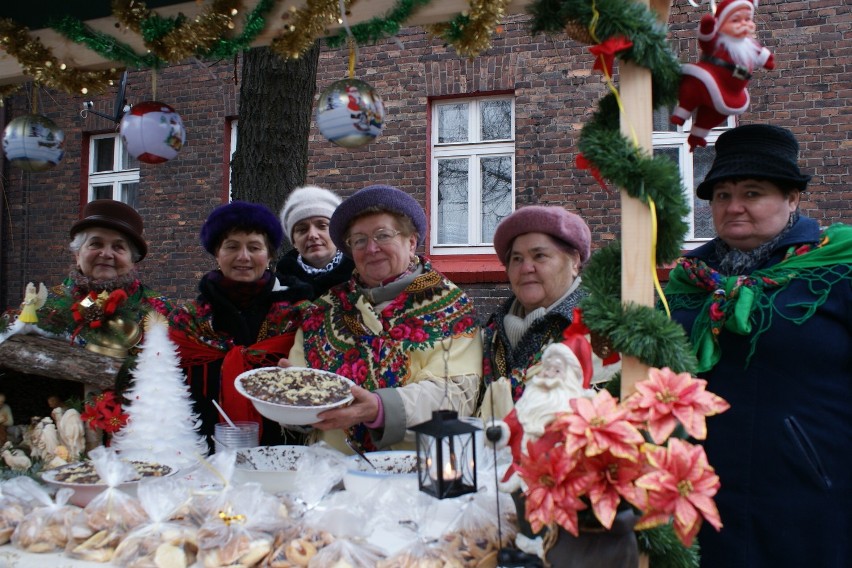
[
  {"x": 378, "y": 28},
  {"x": 103, "y": 44},
  {"x": 155, "y": 29},
  {"x": 638, "y": 331}
]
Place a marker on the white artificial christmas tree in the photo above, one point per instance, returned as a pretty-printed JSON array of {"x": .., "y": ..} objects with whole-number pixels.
[{"x": 161, "y": 425}]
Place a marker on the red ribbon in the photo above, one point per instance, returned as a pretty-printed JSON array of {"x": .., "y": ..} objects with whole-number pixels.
[
  {"x": 584, "y": 164},
  {"x": 605, "y": 53}
]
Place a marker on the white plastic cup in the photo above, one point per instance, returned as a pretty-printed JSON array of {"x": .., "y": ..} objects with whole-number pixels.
[{"x": 245, "y": 435}]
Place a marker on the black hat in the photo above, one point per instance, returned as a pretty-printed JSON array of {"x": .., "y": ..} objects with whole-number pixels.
[
  {"x": 755, "y": 151},
  {"x": 113, "y": 215}
]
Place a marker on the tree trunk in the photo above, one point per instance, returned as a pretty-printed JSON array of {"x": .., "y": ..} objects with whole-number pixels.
[
  {"x": 276, "y": 104},
  {"x": 57, "y": 359}
]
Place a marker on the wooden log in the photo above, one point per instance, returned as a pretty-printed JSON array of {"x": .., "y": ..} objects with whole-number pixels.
[{"x": 57, "y": 359}]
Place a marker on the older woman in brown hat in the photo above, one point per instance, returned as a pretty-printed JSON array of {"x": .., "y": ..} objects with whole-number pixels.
[
  {"x": 543, "y": 249},
  {"x": 107, "y": 244}
]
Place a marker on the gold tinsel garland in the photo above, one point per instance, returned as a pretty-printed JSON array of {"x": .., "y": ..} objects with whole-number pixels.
[
  {"x": 305, "y": 26},
  {"x": 184, "y": 38},
  {"x": 39, "y": 63},
  {"x": 470, "y": 35}
]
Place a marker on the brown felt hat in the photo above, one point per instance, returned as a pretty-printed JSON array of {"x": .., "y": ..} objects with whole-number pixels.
[{"x": 113, "y": 215}]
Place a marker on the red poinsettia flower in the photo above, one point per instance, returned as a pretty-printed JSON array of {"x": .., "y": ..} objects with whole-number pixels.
[
  {"x": 666, "y": 398},
  {"x": 114, "y": 419},
  {"x": 611, "y": 479},
  {"x": 682, "y": 486},
  {"x": 104, "y": 412},
  {"x": 554, "y": 485},
  {"x": 600, "y": 425}
]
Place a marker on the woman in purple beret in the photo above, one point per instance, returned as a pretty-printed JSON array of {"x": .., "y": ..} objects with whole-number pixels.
[
  {"x": 399, "y": 329},
  {"x": 243, "y": 318}
]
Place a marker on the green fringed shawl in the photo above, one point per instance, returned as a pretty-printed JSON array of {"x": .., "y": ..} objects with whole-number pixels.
[{"x": 746, "y": 304}]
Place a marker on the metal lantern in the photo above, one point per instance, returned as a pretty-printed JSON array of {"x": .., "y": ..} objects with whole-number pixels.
[{"x": 446, "y": 455}]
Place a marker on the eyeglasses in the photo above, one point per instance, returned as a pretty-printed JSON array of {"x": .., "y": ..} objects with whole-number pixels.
[{"x": 381, "y": 237}]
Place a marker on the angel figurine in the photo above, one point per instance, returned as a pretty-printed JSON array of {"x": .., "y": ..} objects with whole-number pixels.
[{"x": 33, "y": 300}]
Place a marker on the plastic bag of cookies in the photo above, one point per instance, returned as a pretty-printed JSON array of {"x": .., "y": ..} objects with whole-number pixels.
[
  {"x": 162, "y": 542},
  {"x": 345, "y": 553},
  {"x": 241, "y": 532},
  {"x": 422, "y": 555},
  {"x": 296, "y": 546},
  {"x": 12, "y": 509},
  {"x": 46, "y": 528}
]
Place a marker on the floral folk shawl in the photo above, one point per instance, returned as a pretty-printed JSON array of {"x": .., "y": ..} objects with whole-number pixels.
[{"x": 337, "y": 339}]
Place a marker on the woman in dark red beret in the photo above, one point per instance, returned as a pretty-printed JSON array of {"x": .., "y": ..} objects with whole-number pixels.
[
  {"x": 243, "y": 318},
  {"x": 543, "y": 249}
]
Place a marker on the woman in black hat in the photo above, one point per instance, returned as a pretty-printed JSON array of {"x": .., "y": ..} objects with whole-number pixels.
[
  {"x": 768, "y": 305},
  {"x": 103, "y": 287},
  {"x": 243, "y": 318}
]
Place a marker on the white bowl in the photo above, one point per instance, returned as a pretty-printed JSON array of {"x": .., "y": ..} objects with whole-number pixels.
[
  {"x": 396, "y": 467},
  {"x": 274, "y": 467},
  {"x": 85, "y": 492},
  {"x": 289, "y": 414}
]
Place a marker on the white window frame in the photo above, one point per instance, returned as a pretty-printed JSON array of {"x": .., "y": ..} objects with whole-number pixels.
[
  {"x": 234, "y": 132},
  {"x": 473, "y": 150},
  {"x": 678, "y": 139},
  {"x": 114, "y": 178}
]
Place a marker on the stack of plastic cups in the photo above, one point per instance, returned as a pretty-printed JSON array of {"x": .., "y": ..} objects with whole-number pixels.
[{"x": 244, "y": 435}]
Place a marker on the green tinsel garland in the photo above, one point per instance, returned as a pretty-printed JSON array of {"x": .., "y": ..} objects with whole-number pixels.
[
  {"x": 378, "y": 28},
  {"x": 103, "y": 44},
  {"x": 155, "y": 28}
]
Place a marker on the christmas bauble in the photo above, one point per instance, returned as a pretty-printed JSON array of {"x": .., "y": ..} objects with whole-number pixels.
[
  {"x": 350, "y": 113},
  {"x": 152, "y": 132},
  {"x": 33, "y": 142}
]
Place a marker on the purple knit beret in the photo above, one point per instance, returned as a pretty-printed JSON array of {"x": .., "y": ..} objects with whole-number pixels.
[
  {"x": 384, "y": 197},
  {"x": 551, "y": 220},
  {"x": 240, "y": 216}
]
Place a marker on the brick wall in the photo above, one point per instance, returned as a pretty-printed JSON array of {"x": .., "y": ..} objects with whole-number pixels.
[{"x": 555, "y": 91}]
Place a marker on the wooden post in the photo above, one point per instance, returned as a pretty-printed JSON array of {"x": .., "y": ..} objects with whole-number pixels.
[{"x": 637, "y": 262}]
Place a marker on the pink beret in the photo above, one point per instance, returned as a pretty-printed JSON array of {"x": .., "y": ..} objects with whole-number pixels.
[{"x": 551, "y": 220}]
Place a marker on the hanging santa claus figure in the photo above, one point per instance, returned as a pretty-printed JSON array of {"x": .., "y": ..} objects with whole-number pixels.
[{"x": 715, "y": 87}]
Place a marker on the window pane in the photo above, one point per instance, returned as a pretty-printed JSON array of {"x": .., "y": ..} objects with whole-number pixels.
[
  {"x": 129, "y": 193},
  {"x": 103, "y": 158},
  {"x": 496, "y": 120},
  {"x": 661, "y": 120},
  {"x": 452, "y": 123},
  {"x": 452, "y": 201},
  {"x": 702, "y": 159},
  {"x": 102, "y": 192},
  {"x": 496, "y": 193},
  {"x": 128, "y": 162}
]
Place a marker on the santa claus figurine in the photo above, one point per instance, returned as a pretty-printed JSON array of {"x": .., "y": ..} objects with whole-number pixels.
[
  {"x": 715, "y": 87},
  {"x": 564, "y": 373}
]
